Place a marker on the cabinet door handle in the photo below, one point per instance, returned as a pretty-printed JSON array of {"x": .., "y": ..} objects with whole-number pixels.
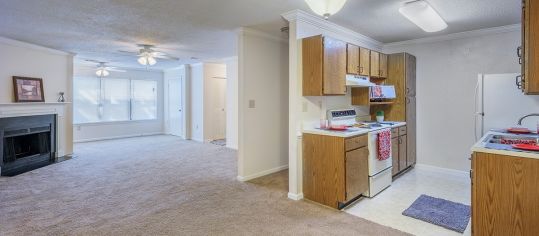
[
  {"x": 520, "y": 60},
  {"x": 407, "y": 91},
  {"x": 407, "y": 100},
  {"x": 361, "y": 70},
  {"x": 518, "y": 81},
  {"x": 519, "y": 51}
]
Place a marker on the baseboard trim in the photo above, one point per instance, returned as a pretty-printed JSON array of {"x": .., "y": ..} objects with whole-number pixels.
[
  {"x": 295, "y": 197},
  {"x": 262, "y": 173},
  {"x": 116, "y": 137},
  {"x": 441, "y": 169}
]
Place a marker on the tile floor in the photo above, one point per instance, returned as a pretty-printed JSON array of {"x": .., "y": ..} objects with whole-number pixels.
[{"x": 386, "y": 208}]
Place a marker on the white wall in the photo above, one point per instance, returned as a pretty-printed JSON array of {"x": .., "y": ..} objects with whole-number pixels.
[
  {"x": 263, "y": 79},
  {"x": 232, "y": 102},
  {"x": 54, "y": 67},
  {"x": 214, "y": 104},
  {"x": 120, "y": 129},
  {"x": 180, "y": 73},
  {"x": 205, "y": 99},
  {"x": 446, "y": 78},
  {"x": 197, "y": 102}
]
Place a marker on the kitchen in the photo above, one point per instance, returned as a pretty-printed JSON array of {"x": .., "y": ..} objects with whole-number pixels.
[{"x": 336, "y": 143}]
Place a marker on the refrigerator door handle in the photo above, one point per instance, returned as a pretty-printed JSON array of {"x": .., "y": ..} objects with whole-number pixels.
[{"x": 518, "y": 81}]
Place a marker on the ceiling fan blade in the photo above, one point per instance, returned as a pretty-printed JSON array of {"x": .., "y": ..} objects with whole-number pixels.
[
  {"x": 165, "y": 56},
  {"x": 129, "y": 52},
  {"x": 116, "y": 70}
]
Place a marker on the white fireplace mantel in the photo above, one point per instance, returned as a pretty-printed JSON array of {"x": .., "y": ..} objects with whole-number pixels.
[{"x": 41, "y": 108}]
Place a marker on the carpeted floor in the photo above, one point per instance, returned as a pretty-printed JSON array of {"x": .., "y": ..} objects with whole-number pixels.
[{"x": 161, "y": 185}]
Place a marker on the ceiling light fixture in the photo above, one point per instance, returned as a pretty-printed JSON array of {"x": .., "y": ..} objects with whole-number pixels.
[
  {"x": 147, "y": 59},
  {"x": 325, "y": 8},
  {"x": 423, "y": 15},
  {"x": 102, "y": 72}
]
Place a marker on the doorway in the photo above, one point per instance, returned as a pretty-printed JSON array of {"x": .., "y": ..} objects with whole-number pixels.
[{"x": 175, "y": 114}]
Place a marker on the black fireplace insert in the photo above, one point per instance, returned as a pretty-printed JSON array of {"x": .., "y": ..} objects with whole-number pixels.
[{"x": 27, "y": 143}]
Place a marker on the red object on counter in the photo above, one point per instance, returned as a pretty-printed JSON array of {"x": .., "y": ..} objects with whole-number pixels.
[
  {"x": 516, "y": 130},
  {"x": 528, "y": 147},
  {"x": 338, "y": 127}
]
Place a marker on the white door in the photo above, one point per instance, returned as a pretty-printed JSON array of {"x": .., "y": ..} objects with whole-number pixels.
[
  {"x": 221, "y": 112},
  {"x": 175, "y": 110}
]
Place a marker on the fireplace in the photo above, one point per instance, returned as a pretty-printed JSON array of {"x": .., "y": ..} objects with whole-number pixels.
[{"x": 27, "y": 143}]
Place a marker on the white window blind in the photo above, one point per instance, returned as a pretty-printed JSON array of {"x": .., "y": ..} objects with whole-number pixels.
[
  {"x": 110, "y": 99},
  {"x": 143, "y": 100}
]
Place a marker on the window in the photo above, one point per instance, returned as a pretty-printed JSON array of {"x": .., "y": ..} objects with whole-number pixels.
[
  {"x": 86, "y": 95},
  {"x": 109, "y": 99},
  {"x": 143, "y": 100}
]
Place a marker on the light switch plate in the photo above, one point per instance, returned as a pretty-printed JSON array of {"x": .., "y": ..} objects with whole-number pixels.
[{"x": 251, "y": 103}]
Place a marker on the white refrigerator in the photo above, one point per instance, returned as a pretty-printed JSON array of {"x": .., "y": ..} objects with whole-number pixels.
[{"x": 499, "y": 104}]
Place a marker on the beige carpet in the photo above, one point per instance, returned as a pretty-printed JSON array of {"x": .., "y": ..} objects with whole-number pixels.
[{"x": 161, "y": 185}]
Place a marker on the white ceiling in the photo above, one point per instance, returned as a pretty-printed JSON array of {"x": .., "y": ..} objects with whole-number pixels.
[{"x": 97, "y": 29}]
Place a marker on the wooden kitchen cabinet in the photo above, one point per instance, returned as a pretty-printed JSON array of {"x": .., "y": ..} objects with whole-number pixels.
[
  {"x": 529, "y": 51},
  {"x": 400, "y": 150},
  {"x": 364, "y": 61},
  {"x": 505, "y": 196},
  {"x": 383, "y": 66},
  {"x": 358, "y": 60},
  {"x": 324, "y": 66},
  {"x": 357, "y": 164},
  {"x": 335, "y": 169},
  {"x": 395, "y": 155},
  {"x": 403, "y": 164},
  {"x": 375, "y": 64},
  {"x": 352, "y": 60}
]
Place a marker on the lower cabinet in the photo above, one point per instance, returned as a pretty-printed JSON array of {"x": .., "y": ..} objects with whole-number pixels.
[
  {"x": 335, "y": 169},
  {"x": 399, "y": 150},
  {"x": 395, "y": 155},
  {"x": 357, "y": 168},
  {"x": 505, "y": 197}
]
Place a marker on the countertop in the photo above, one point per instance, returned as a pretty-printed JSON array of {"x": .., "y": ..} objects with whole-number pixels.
[
  {"x": 351, "y": 132},
  {"x": 483, "y": 146}
]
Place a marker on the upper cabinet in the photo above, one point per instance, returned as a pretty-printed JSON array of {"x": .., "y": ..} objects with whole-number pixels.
[
  {"x": 529, "y": 51},
  {"x": 358, "y": 60},
  {"x": 352, "y": 65},
  {"x": 378, "y": 65},
  {"x": 375, "y": 64},
  {"x": 324, "y": 66},
  {"x": 364, "y": 61},
  {"x": 383, "y": 66}
]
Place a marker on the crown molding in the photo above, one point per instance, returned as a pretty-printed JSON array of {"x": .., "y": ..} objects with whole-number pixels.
[
  {"x": 460, "y": 35},
  {"x": 26, "y": 45},
  {"x": 319, "y": 22},
  {"x": 261, "y": 34}
]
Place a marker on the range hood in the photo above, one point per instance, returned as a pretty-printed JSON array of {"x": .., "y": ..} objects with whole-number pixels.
[{"x": 358, "y": 81}]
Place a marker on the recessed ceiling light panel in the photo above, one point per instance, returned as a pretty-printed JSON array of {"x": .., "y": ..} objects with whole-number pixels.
[{"x": 423, "y": 15}]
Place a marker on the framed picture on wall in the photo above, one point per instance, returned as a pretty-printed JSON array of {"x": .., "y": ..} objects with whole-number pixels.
[{"x": 28, "y": 89}]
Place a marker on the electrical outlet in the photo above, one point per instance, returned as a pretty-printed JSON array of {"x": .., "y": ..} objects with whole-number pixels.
[{"x": 251, "y": 103}]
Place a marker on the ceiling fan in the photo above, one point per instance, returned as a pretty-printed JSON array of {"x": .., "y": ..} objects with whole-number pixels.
[
  {"x": 103, "y": 70},
  {"x": 147, "y": 55}
]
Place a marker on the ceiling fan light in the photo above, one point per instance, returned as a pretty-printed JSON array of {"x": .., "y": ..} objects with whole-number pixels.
[
  {"x": 143, "y": 61},
  {"x": 423, "y": 15},
  {"x": 151, "y": 61},
  {"x": 325, "y": 8},
  {"x": 102, "y": 73}
]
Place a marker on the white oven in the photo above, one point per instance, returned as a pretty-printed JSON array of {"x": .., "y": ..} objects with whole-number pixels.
[{"x": 379, "y": 171}]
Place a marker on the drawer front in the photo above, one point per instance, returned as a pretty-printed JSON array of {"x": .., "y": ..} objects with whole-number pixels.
[
  {"x": 402, "y": 130},
  {"x": 355, "y": 142},
  {"x": 394, "y": 132}
]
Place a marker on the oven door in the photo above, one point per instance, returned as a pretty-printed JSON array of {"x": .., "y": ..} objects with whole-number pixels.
[{"x": 376, "y": 166}]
